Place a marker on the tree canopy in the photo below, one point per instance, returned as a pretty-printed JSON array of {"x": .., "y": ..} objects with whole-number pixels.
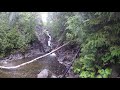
[
  {"x": 98, "y": 34},
  {"x": 16, "y": 31}
]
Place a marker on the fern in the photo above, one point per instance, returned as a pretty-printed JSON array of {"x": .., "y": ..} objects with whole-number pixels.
[{"x": 115, "y": 51}]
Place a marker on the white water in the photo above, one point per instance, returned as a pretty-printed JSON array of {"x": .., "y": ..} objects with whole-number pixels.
[
  {"x": 49, "y": 44},
  {"x": 49, "y": 40}
]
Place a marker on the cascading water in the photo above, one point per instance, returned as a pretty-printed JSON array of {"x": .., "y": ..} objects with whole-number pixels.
[{"x": 49, "y": 44}]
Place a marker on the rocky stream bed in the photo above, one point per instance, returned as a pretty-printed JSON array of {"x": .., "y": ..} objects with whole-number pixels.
[{"x": 50, "y": 66}]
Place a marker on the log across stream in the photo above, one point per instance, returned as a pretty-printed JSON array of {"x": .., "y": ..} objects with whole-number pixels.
[{"x": 30, "y": 67}]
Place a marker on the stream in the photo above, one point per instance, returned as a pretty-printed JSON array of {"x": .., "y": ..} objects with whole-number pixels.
[
  {"x": 55, "y": 63},
  {"x": 31, "y": 70}
]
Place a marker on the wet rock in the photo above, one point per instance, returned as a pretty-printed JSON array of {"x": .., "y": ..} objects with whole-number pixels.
[
  {"x": 15, "y": 56},
  {"x": 43, "y": 74},
  {"x": 60, "y": 76},
  {"x": 53, "y": 76},
  {"x": 53, "y": 55},
  {"x": 4, "y": 62},
  {"x": 47, "y": 49},
  {"x": 115, "y": 71},
  {"x": 33, "y": 52}
]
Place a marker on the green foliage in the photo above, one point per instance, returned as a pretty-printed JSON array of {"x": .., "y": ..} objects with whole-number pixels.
[
  {"x": 97, "y": 33},
  {"x": 100, "y": 46},
  {"x": 56, "y": 25},
  {"x": 75, "y": 28},
  {"x": 18, "y": 36},
  {"x": 69, "y": 36},
  {"x": 115, "y": 51},
  {"x": 105, "y": 73},
  {"x": 87, "y": 74}
]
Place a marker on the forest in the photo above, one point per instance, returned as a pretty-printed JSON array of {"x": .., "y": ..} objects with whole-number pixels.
[{"x": 64, "y": 45}]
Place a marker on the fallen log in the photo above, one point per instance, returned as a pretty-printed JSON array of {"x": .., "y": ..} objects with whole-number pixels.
[{"x": 14, "y": 67}]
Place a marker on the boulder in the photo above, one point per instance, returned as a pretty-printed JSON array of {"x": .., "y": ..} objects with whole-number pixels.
[
  {"x": 53, "y": 55},
  {"x": 43, "y": 74},
  {"x": 53, "y": 76}
]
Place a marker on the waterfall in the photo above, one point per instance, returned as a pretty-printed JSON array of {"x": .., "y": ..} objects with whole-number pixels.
[
  {"x": 40, "y": 31},
  {"x": 49, "y": 44},
  {"x": 49, "y": 40}
]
